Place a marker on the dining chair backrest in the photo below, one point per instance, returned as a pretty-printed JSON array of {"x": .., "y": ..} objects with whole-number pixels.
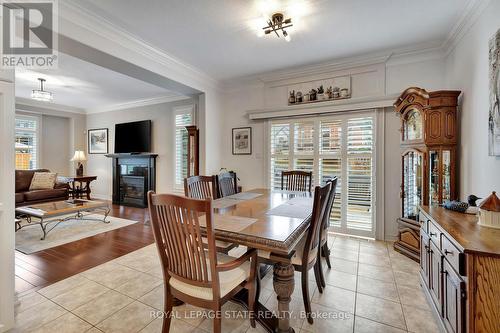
[
  {"x": 329, "y": 204},
  {"x": 321, "y": 195},
  {"x": 227, "y": 183},
  {"x": 296, "y": 180},
  {"x": 200, "y": 187},
  {"x": 177, "y": 223}
]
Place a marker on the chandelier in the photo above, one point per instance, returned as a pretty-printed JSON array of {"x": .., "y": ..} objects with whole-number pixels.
[
  {"x": 277, "y": 24},
  {"x": 41, "y": 95}
]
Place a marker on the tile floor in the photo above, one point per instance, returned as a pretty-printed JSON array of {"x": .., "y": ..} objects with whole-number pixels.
[{"x": 371, "y": 288}]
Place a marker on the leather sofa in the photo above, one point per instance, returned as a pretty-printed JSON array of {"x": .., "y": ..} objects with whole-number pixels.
[{"x": 26, "y": 197}]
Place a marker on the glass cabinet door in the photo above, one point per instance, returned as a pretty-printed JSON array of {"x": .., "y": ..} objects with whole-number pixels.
[
  {"x": 446, "y": 175},
  {"x": 434, "y": 178},
  {"x": 412, "y": 125},
  {"x": 412, "y": 184}
]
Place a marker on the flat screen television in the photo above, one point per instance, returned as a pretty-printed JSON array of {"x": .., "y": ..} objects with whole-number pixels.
[{"x": 133, "y": 137}]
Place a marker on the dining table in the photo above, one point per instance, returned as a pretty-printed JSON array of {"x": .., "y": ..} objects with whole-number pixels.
[{"x": 273, "y": 221}]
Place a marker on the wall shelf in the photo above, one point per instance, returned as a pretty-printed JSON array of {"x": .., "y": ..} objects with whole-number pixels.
[{"x": 352, "y": 104}]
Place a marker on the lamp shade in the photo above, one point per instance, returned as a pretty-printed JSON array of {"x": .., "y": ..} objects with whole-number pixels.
[{"x": 79, "y": 156}]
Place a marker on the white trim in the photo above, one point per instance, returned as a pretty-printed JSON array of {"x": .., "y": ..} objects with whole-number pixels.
[
  {"x": 473, "y": 10},
  {"x": 324, "y": 107},
  {"x": 137, "y": 103},
  {"x": 7, "y": 237},
  {"x": 183, "y": 109},
  {"x": 20, "y": 101},
  {"x": 379, "y": 199}
]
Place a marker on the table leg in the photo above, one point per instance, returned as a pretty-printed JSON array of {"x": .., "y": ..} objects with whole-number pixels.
[
  {"x": 283, "y": 286},
  {"x": 44, "y": 229},
  {"x": 88, "y": 190}
]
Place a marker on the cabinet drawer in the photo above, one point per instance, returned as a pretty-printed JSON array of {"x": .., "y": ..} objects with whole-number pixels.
[
  {"x": 424, "y": 222},
  {"x": 434, "y": 233},
  {"x": 453, "y": 255}
]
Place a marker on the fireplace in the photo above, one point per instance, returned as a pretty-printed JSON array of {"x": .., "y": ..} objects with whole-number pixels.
[{"x": 133, "y": 177}]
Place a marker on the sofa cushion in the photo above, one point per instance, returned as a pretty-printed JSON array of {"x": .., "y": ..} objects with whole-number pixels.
[
  {"x": 43, "y": 181},
  {"x": 23, "y": 179},
  {"x": 37, "y": 195},
  {"x": 19, "y": 197}
]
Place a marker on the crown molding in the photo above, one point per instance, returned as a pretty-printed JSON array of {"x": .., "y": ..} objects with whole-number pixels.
[
  {"x": 469, "y": 16},
  {"x": 330, "y": 66},
  {"x": 403, "y": 55},
  {"x": 137, "y": 103},
  {"x": 75, "y": 13},
  {"x": 20, "y": 101}
]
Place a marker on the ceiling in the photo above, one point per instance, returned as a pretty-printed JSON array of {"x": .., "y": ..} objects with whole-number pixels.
[
  {"x": 219, "y": 36},
  {"x": 86, "y": 86}
]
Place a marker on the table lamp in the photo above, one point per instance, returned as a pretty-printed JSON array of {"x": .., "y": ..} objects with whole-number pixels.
[{"x": 79, "y": 157}]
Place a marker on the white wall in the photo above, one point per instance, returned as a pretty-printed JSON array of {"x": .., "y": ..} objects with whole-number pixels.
[
  {"x": 467, "y": 70},
  {"x": 163, "y": 136},
  {"x": 55, "y": 147},
  {"x": 370, "y": 82}
]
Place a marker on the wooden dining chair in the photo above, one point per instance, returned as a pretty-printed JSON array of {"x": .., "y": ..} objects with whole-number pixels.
[
  {"x": 205, "y": 187},
  {"x": 201, "y": 187},
  {"x": 324, "y": 250},
  {"x": 192, "y": 274},
  {"x": 307, "y": 250},
  {"x": 227, "y": 183},
  {"x": 296, "y": 180}
]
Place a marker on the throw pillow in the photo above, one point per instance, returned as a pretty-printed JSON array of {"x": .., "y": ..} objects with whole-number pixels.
[{"x": 43, "y": 181}]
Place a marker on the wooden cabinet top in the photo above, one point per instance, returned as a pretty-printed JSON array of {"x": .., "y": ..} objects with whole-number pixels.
[{"x": 463, "y": 228}]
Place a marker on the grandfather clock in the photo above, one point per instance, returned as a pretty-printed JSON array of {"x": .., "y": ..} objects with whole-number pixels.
[
  {"x": 428, "y": 158},
  {"x": 193, "y": 151}
]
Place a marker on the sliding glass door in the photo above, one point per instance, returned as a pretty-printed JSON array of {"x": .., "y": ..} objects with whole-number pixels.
[{"x": 338, "y": 145}]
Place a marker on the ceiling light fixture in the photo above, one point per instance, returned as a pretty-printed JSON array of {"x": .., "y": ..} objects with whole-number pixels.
[
  {"x": 41, "y": 95},
  {"x": 278, "y": 23}
]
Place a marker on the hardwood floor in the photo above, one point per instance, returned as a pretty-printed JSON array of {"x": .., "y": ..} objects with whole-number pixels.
[{"x": 48, "y": 266}]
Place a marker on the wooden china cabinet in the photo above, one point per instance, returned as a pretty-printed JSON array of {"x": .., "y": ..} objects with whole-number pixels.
[{"x": 429, "y": 141}]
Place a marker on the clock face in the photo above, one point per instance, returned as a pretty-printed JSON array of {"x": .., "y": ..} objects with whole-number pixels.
[{"x": 413, "y": 125}]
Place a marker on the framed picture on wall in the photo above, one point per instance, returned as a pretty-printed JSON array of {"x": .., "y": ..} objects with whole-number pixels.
[
  {"x": 494, "y": 116},
  {"x": 242, "y": 141},
  {"x": 98, "y": 141}
]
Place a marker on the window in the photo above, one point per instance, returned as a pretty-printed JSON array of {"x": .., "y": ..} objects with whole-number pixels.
[
  {"x": 26, "y": 144},
  {"x": 331, "y": 146},
  {"x": 183, "y": 118}
]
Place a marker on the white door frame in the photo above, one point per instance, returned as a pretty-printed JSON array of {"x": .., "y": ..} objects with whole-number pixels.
[{"x": 7, "y": 204}]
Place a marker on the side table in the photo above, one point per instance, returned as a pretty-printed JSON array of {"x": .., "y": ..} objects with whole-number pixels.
[{"x": 79, "y": 186}]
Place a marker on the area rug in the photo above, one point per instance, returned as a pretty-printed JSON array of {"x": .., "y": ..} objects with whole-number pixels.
[{"x": 28, "y": 238}]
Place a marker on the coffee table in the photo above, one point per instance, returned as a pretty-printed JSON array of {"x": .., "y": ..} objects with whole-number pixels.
[{"x": 54, "y": 213}]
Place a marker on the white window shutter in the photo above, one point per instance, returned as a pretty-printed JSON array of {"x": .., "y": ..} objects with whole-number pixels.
[
  {"x": 181, "y": 146},
  {"x": 26, "y": 142}
]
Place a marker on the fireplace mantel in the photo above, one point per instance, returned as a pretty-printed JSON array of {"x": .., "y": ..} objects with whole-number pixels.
[
  {"x": 133, "y": 176},
  {"x": 140, "y": 155}
]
